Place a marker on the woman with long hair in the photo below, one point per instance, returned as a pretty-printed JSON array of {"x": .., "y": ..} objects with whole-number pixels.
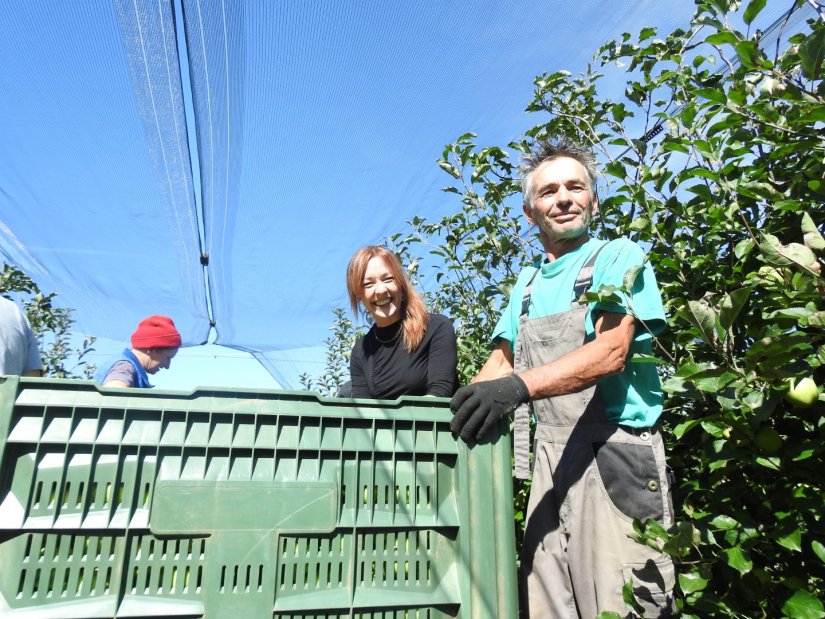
[{"x": 407, "y": 351}]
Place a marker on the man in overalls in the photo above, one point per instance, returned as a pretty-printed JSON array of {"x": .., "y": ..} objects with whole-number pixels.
[{"x": 599, "y": 460}]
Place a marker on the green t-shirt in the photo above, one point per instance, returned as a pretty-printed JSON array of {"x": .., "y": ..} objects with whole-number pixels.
[{"x": 632, "y": 397}]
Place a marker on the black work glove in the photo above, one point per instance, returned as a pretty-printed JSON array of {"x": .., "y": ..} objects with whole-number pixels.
[{"x": 477, "y": 407}]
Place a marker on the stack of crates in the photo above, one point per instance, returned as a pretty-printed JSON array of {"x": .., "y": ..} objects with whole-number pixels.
[{"x": 248, "y": 504}]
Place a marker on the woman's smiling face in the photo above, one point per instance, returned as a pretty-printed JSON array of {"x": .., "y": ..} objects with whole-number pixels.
[{"x": 380, "y": 293}]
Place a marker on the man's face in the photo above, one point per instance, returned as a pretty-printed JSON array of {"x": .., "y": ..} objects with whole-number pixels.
[
  {"x": 562, "y": 199},
  {"x": 160, "y": 358}
]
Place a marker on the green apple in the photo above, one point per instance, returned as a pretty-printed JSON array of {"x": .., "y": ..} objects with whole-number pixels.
[
  {"x": 803, "y": 393},
  {"x": 771, "y": 274},
  {"x": 768, "y": 439}
]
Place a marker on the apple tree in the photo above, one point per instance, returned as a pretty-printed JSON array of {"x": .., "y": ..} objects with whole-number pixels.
[
  {"x": 51, "y": 325},
  {"x": 714, "y": 162}
]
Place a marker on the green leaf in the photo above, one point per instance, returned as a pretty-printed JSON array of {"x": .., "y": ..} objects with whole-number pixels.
[
  {"x": 619, "y": 112},
  {"x": 704, "y": 319},
  {"x": 715, "y": 429},
  {"x": 815, "y": 115},
  {"x": 768, "y": 463},
  {"x": 732, "y": 304},
  {"x": 797, "y": 313},
  {"x": 778, "y": 254},
  {"x": 791, "y": 541},
  {"x": 803, "y": 605},
  {"x": 757, "y": 189},
  {"x": 723, "y": 522},
  {"x": 721, "y": 38},
  {"x": 753, "y": 399},
  {"x": 688, "y": 113},
  {"x": 804, "y": 455},
  {"x": 812, "y": 53},
  {"x": 700, "y": 172},
  {"x": 684, "y": 427},
  {"x": 737, "y": 96},
  {"x": 692, "y": 582},
  {"x": 644, "y": 358},
  {"x": 691, "y": 368},
  {"x": 449, "y": 169},
  {"x": 640, "y": 224},
  {"x": 630, "y": 276},
  {"x": 712, "y": 94},
  {"x": 816, "y": 319},
  {"x": 819, "y": 549},
  {"x": 753, "y": 9},
  {"x": 646, "y": 33},
  {"x": 713, "y": 381},
  {"x": 812, "y": 238},
  {"x": 738, "y": 559},
  {"x": 606, "y": 293},
  {"x": 749, "y": 54},
  {"x": 744, "y": 247}
]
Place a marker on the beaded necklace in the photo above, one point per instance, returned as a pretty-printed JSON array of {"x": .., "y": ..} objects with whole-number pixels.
[{"x": 389, "y": 341}]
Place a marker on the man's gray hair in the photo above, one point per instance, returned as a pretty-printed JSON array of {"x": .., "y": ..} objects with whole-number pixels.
[{"x": 549, "y": 149}]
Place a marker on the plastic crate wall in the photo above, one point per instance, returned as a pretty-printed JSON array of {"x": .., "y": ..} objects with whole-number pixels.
[{"x": 118, "y": 503}]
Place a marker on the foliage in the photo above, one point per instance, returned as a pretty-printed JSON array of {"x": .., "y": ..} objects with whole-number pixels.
[
  {"x": 727, "y": 200},
  {"x": 50, "y": 324},
  {"x": 339, "y": 347},
  {"x": 714, "y": 162},
  {"x": 479, "y": 250}
]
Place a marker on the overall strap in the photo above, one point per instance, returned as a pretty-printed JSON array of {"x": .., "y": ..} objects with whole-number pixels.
[
  {"x": 141, "y": 377},
  {"x": 521, "y": 425},
  {"x": 525, "y": 300},
  {"x": 583, "y": 282},
  {"x": 585, "y": 277}
]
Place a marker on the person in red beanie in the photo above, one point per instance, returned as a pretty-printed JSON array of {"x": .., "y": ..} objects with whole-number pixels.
[{"x": 155, "y": 342}]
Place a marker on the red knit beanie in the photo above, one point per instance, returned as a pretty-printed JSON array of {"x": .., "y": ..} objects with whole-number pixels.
[{"x": 156, "y": 332}]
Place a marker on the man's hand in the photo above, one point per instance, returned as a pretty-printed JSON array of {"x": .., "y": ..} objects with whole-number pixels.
[{"x": 477, "y": 407}]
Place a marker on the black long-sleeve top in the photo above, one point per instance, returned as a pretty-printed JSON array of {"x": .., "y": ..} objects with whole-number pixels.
[{"x": 381, "y": 368}]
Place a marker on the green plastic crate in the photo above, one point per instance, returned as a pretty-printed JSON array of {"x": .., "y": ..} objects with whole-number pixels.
[{"x": 139, "y": 503}]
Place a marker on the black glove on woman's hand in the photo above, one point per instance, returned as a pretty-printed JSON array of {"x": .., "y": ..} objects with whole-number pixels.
[{"x": 477, "y": 407}]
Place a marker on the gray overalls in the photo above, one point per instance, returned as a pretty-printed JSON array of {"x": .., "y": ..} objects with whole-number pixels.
[{"x": 590, "y": 478}]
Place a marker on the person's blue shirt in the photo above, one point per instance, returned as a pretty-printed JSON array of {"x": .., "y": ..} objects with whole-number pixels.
[
  {"x": 632, "y": 397},
  {"x": 140, "y": 378}
]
